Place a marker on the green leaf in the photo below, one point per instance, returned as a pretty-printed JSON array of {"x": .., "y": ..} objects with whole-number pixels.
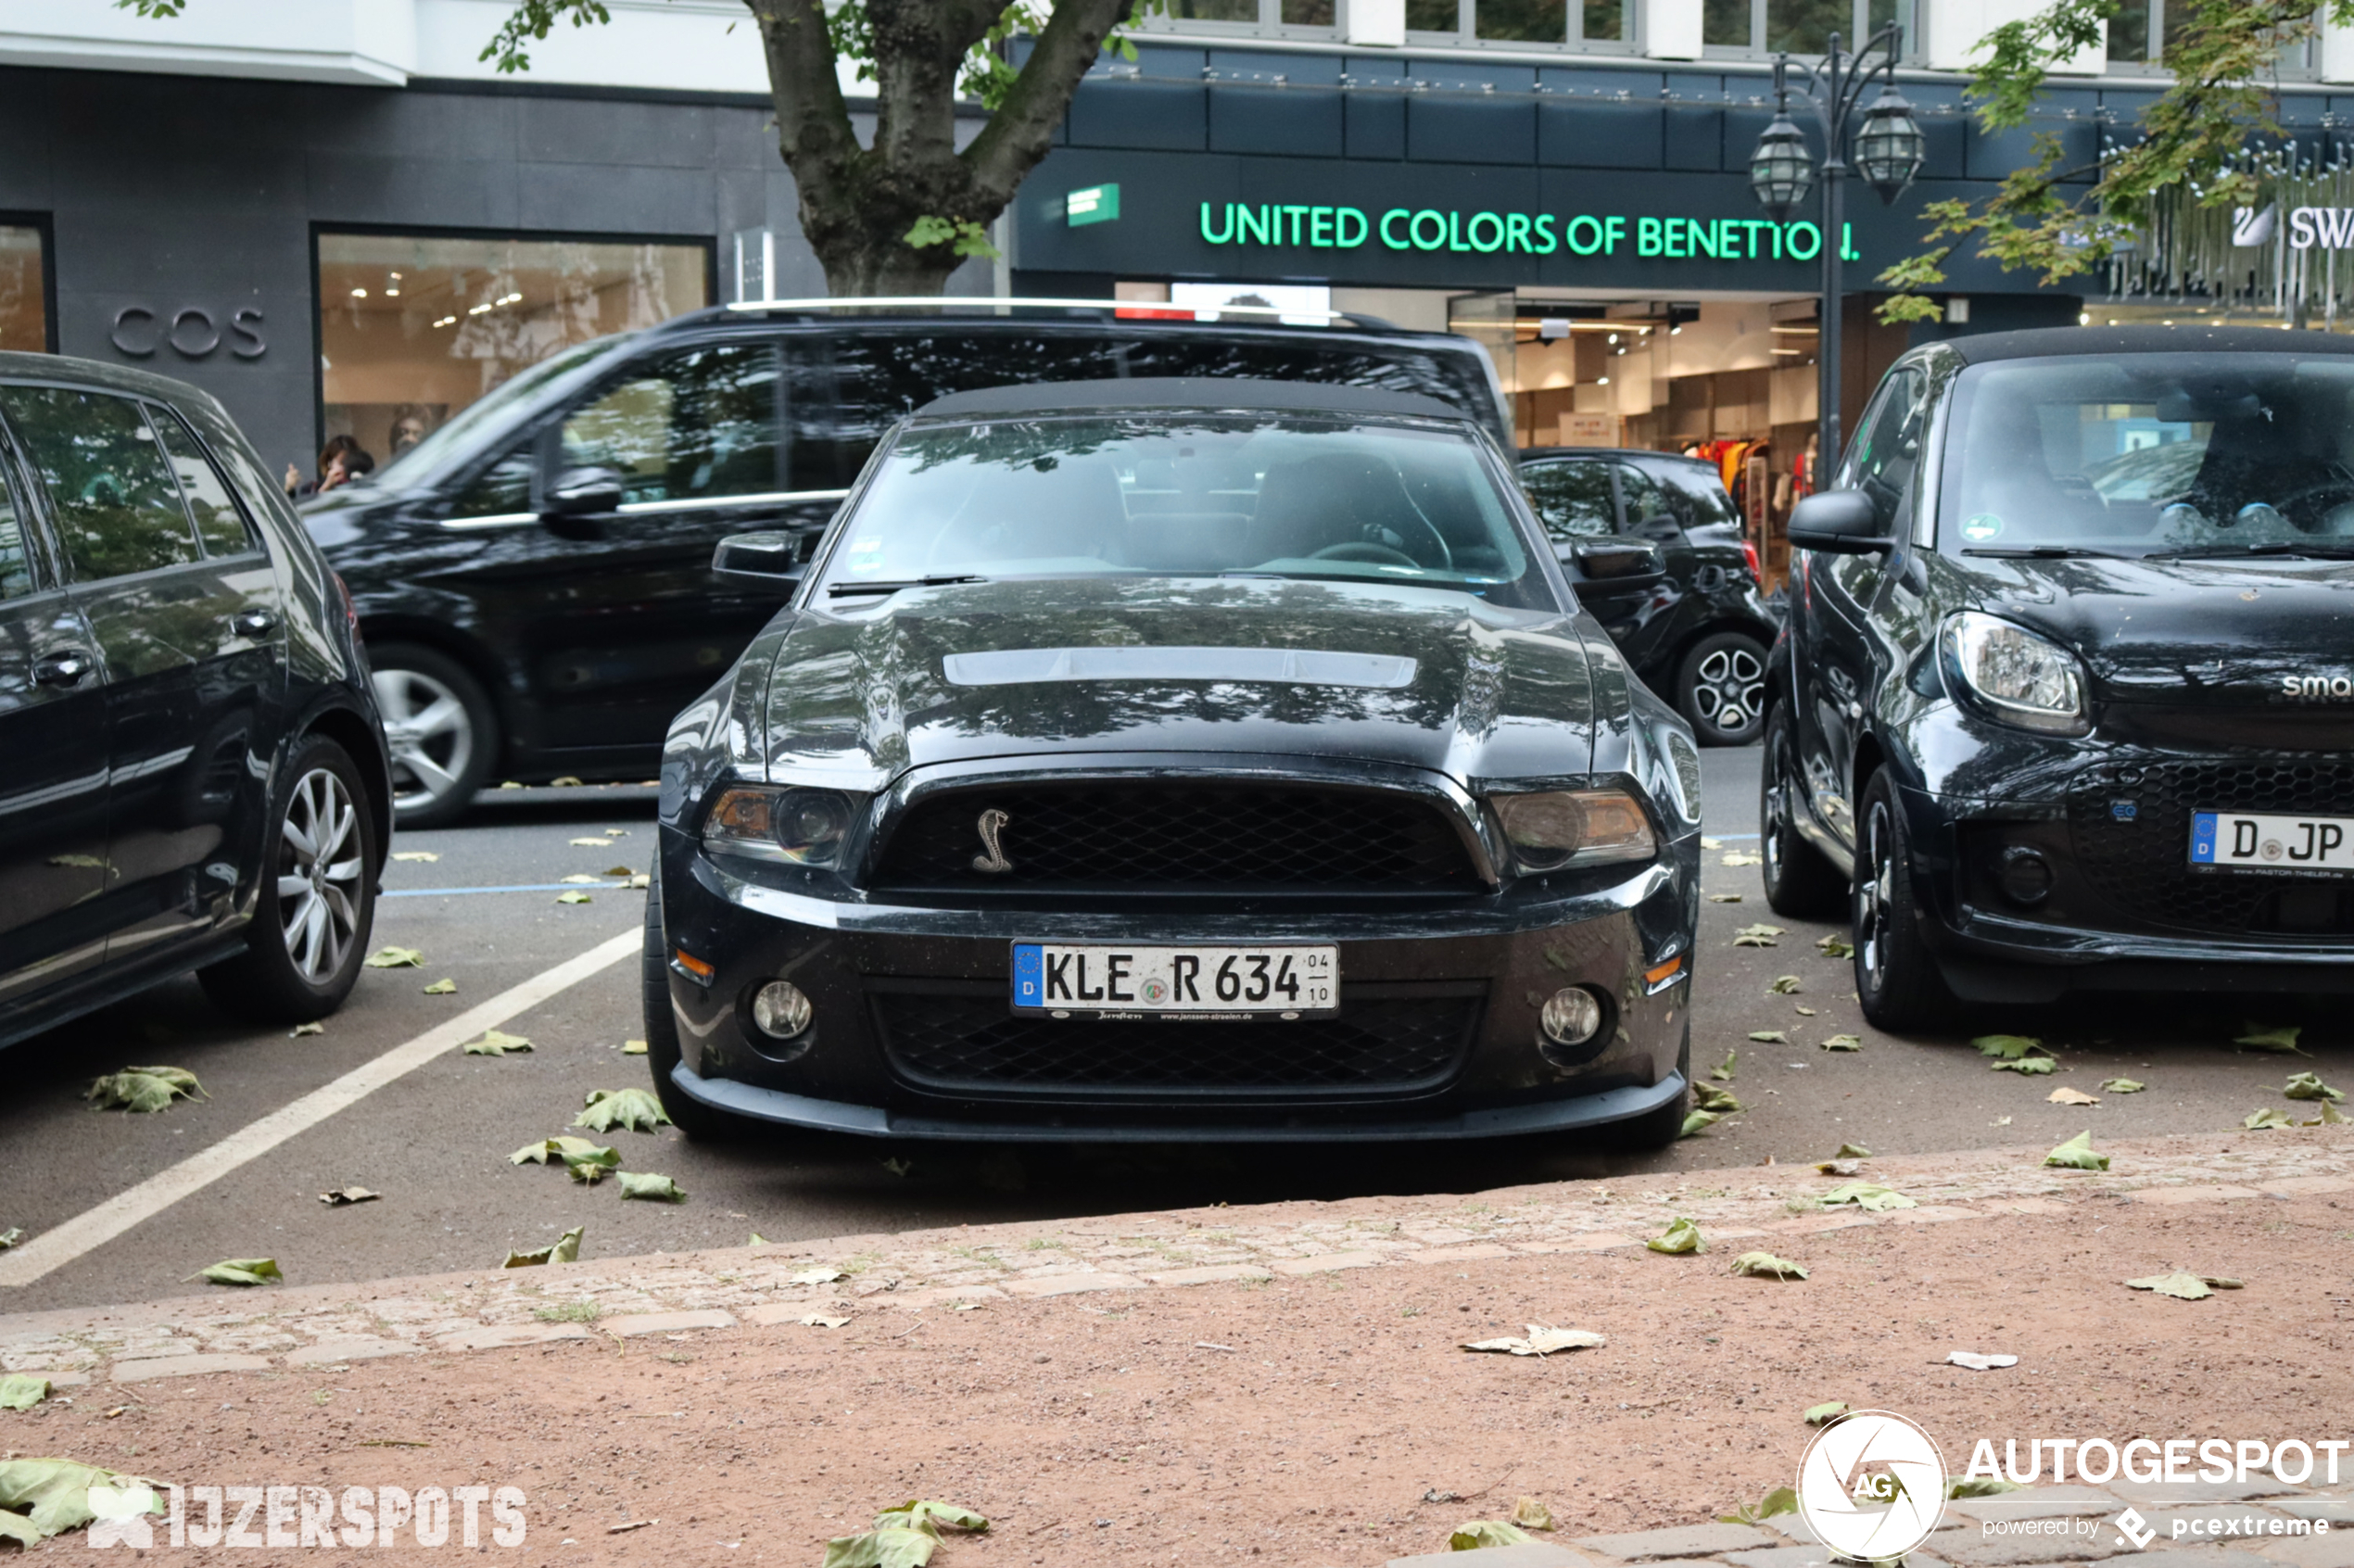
[
  {"x": 2032, "y": 1066},
  {"x": 564, "y": 1150},
  {"x": 882, "y": 1548},
  {"x": 1977, "y": 1487},
  {"x": 2008, "y": 1047},
  {"x": 396, "y": 958},
  {"x": 1853, "y": 1151},
  {"x": 565, "y": 1249},
  {"x": 1759, "y": 935},
  {"x": 2329, "y": 1118},
  {"x": 1697, "y": 1123},
  {"x": 1765, "y": 1266},
  {"x": 11, "y": 1236},
  {"x": 2181, "y": 1287},
  {"x": 1724, "y": 1074},
  {"x": 1770, "y": 1036},
  {"x": 1869, "y": 1196},
  {"x": 575, "y": 896},
  {"x": 2280, "y": 1041},
  {"x": 2308, "y": 1086},
  {"x": 142, "y": 1089},
  {"x": 18, "y": 1528},
  {"x": 1823, "y": 1415},
  {"x": 496, "y": 1042},
  {"x": 589, "y": 1172},
  {"x": 53, "y": 1494},
  {"x": 2077, "y": 1154},
  {"x": 1843, "y": 1043},
  {"x": 241, "y": 1271},
  {"x": 645, "y": 1185},
  {"x": 300, "y": 1029},
  {"x": 2265, "y": 1119},
  {"x": 633, "y": 1108},
  {"x": 1781, "y": 1500},
  {"x": 22, "y": 1391},
  {"x": 1835, "y": 947},
  {"x": 1785, "y": 985},
  {"x": 926, "y": 1514},
  {"x": 442, "y": 988},
  {"x": 1474, "y": 1534},
  {"x": 1711, "y": 1098},
  {"x": 2123, "y": 1086},
  {"x": 633, "y": 1047},
  {"x": 1682, "y": 1235}
]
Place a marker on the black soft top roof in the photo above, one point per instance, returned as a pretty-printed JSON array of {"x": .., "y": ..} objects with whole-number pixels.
[
  {"x": 2049, "y": 342},
  {"x": 1186, "y": 392}
]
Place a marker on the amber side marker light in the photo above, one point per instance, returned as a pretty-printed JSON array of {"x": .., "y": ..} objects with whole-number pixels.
[
  {"x": 694, "y": 965},
  {"x": 1659, "y": 972}
]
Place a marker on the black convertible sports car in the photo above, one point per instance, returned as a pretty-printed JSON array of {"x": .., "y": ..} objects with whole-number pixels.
[{"x": 1177, "y": 760}]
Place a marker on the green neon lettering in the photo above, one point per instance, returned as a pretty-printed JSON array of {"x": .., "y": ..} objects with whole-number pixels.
[
  {"x": 1647, "y": 236},
  {"x": 1594, "y": 228},
  {"x": 1545, "y": 244},
  {"x": 1614, "y": 230},
  {"x": 1516, "y": 231},
  {"x": 1702, "y": 237},
  {"x": 1494, "y": 222},
  {"x": 1227, "y": 236},
  {"x": 1296, "y": 214},
  {"x": 1416, "y": 229},
  {"x": 1341, "y": 236},
  {"x": 1847, "y": 251},
  {"x": 1250, "y": 226},
  {"x": 1455, "y": 231},
  {"x": 1753, "y": 225},
  {"x": 1388, "y": 217},
  {"x": 1812, "y": 235},
  {"x": 1671, "y": 231},
  {"x": 1319, "y": 227}
]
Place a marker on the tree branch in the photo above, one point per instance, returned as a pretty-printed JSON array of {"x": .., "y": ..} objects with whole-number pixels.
[
  {"x": 813, "y": 123},
  {"x": 1022, "y": 128}
]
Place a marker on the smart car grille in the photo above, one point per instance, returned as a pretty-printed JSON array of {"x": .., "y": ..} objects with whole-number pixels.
[
  {"x": 1176, "y": 838},
  {"x": 2132, "y": 830},
  {"x": 1381, "y": 1044}
]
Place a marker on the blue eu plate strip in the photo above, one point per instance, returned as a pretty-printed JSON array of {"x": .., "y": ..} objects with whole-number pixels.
[
  {"x": 2203, "y": 839},
  {"x": 1030, "y": 975}
]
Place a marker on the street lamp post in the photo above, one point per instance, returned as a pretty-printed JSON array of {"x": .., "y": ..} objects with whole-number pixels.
[{"x": 1888, "y": 152}]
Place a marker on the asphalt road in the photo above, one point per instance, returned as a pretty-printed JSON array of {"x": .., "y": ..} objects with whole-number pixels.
[{"x": 434, "y": 1142}]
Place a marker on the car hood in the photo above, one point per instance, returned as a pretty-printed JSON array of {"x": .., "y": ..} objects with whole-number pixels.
[
  {"x": 1373, "y": 671},
  {"x": 2184, "y": 632}
]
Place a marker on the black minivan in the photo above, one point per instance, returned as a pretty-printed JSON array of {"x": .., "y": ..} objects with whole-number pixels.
[
  {"x": 1665, "y": 567},
  {"x": 534, "y": 579},
  {"x": 192, "y": 775}
]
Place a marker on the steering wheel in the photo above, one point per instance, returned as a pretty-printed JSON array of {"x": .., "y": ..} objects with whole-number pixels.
[{"x": 1362, "y": 549}]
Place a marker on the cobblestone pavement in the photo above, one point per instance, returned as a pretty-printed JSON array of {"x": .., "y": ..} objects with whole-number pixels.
[{"x": 671, "y": 1293}]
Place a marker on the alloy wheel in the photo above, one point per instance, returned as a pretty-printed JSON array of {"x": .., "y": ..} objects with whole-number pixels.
[
  {"x": 1729, "y": 689},
  {"x": 1777, "y": 806},
  {"x": 319, "y": 864},
  {"x": 1872, "y": 895},
  {"x": 430, "y": 734}
]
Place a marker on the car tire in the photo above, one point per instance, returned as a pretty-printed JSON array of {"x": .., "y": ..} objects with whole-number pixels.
[
  {"x": 1801, "y": 882},
  {"x": 1654, "y": 1130},
  {"x": 440, "y": 729},
  {"x": 1720, "y": 689},
  {"x": 316, "y": 901},
  {"x": 697, "y": 1121},
  {"x": 1896, "y": 980}
]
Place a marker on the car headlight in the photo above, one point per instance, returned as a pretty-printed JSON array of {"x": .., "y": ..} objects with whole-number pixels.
[
  {"x": 797, "y": 827},
  {"x": 2017, "y": 676},
  {"x": 1555, "y": 829}
]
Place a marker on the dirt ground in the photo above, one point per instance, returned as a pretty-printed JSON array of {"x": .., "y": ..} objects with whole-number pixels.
[{"x": 1307, "y": 1420}]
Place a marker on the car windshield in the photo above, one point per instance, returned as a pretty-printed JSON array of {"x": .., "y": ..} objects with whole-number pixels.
[
  {"x": 2152, "y": 454},
  {"x": 1189, "y": 495},
  {"x": 454, "y": 440}
]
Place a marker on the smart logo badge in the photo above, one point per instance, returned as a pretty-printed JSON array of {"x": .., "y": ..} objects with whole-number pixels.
[{"x": 1871, "y": 1486}]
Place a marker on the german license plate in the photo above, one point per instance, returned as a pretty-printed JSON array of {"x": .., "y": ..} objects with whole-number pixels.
[
  {"x": 2304, "y": 846},
  {"x": 1057, "y": 979}
]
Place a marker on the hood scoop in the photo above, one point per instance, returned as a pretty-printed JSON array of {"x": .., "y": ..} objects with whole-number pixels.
[{"x": 1018, "y": 666}]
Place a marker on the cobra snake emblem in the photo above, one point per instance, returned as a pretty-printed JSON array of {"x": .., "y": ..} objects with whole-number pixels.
[{"x": 992, "y": 822}]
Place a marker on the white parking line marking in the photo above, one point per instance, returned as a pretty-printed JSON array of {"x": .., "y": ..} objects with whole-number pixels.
[{"x": 62, "y": 1244}]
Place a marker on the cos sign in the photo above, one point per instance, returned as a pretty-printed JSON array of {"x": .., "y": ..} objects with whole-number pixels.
[{"x": 192, "y": 332}]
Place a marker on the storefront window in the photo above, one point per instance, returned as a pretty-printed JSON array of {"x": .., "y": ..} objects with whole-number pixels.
[
  {"x": 1801, "y": 27},
  {"x": 1251, "y": 13},
  {"x": 413, "y": 330},
  {"x": 1522, "y": 22},
  {"x": 24, "y": 312}
]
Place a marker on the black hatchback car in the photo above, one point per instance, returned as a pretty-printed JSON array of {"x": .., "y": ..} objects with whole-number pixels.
[
  {"x": 534, "y": 579},
  {"x": 1182, "y": 759},
  {"x": 1687, "y": 610},
  {"x": 2068, "y": 692},
  {"x": 191, "y": 770}
]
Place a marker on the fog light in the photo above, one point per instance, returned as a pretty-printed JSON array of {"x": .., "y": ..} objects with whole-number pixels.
[
  {"x": 780, "y": 1009},
  {"x": 1570, "y": 1016},
  {"x": 2026, "y": 876}
]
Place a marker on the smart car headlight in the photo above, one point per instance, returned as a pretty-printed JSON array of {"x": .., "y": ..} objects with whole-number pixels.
[
  {"x": 2014, "y": 674},
  {"x": 1553, "y": 829},
  {"x": 797, "y": 827}
]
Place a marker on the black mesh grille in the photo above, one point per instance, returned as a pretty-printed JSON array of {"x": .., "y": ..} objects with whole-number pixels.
[
  {"x": 2139, "y": 863},
  {"x": 1180, "y": 838},
  {"x": 1381, "y": 1044}
]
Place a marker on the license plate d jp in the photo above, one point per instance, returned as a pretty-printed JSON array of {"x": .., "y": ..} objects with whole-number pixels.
[{"x": 2284, "y": 845}]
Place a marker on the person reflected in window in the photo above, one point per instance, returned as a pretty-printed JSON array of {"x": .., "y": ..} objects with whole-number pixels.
[
  {"x": 347, "y": 468},
  {"x": 337, "y": 446},
  {"x": 411, "y": 424}
]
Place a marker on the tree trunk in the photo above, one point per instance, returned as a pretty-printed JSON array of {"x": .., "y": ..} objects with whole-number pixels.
[{"x": 882, "y": 268}]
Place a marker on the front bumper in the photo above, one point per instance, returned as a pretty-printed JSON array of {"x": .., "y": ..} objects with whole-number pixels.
[{"x": 913, "y": 1037}]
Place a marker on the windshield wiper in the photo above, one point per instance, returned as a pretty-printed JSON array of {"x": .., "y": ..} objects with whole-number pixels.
[
  {"x": 2044, "y": 552},
  {"x": 842, "y": 589},
  {"x": 2229, "y": 551}
]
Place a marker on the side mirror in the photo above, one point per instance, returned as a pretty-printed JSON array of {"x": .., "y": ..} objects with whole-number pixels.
[
  {"x": 1620, "y": 563},
  {"x": 1844, "y": 521},
  {"x": 583, "y": 492},
  {"x": 758, "y": 560}
]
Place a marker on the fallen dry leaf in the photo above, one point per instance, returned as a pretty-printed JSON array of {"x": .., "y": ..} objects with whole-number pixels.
[
  {"x": 1977, "y": 1362},
  {"x": 1542, "y": 1341},
  {"x": 2064, "y": 1095},
  {"x": 341, "y": 1198}
]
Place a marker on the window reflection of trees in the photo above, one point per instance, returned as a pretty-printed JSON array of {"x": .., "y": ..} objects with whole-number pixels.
[{"x": 115, "y": 502}]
